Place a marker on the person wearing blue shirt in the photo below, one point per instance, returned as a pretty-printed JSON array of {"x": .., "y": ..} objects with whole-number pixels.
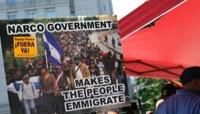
[{"x": 187, "y": 99}]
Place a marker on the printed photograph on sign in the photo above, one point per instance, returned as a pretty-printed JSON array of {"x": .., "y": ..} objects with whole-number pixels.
[{"x": 64, "y": 66}]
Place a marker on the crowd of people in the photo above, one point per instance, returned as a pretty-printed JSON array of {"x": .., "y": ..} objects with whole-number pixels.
[{"x": 81, "y": 59}]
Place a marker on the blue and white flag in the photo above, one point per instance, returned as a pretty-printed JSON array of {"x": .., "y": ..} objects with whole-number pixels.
[{"x": 53, "y": 49}]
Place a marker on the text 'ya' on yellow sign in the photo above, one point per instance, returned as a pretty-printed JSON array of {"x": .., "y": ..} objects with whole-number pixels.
[{"x": 25, "y": 46}]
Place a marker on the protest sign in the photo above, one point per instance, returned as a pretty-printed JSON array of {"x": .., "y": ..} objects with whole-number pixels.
[{"x": 68, "y": 65}]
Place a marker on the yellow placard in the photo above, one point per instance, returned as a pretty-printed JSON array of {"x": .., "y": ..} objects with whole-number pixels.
[{"x": 25, "y": 46}]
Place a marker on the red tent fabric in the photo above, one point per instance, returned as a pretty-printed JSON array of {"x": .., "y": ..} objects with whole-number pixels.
[
  {"x": 145, "y": 13},
  {"x": 165, "y": 49}
]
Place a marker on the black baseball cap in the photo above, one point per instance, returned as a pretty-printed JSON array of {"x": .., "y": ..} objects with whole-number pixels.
[{"x": 190, "y": 74}]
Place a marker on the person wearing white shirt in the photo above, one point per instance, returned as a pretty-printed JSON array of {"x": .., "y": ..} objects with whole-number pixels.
[
  {"x": 78, "y": 73},
  {"x": 79, "y": 70},
  {"x": 27, "y": 95}
]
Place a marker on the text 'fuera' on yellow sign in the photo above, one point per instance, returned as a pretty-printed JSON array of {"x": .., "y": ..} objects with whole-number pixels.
[{"x": 25, "y": 46}]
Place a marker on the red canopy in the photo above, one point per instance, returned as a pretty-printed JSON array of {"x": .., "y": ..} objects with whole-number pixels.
[{"x": 165, "y": 49}]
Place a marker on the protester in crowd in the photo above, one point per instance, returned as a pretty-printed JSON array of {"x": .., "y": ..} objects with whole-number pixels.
[
  {"x": 31, "y": 72},
  {"x": 61, "y": 83},
  {"x": 100, "y": 66},
  {"x": 27, "y": 95},
  {"x": 108, "y": 63},
  {"x": 15, "y": 104},
  {"x": 113, "y": 42},
  {"x": 187, "y": 99},
  {"x": 120, "y": 73},
  {"x": 94, "y": 69},
  {"x": 79, "y": 70},
  {"x": 29, "y": 64},
  {"x": 66, "y": 68},
  {"x": 48, "y": 89},
  {"x": 116, "y": 65},
  {"x": 106, "y": 39},
  {"x": 39, "y": 63}
]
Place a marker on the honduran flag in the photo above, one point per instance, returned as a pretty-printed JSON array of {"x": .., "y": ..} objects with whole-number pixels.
[{"x": 53, "y": 49}]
